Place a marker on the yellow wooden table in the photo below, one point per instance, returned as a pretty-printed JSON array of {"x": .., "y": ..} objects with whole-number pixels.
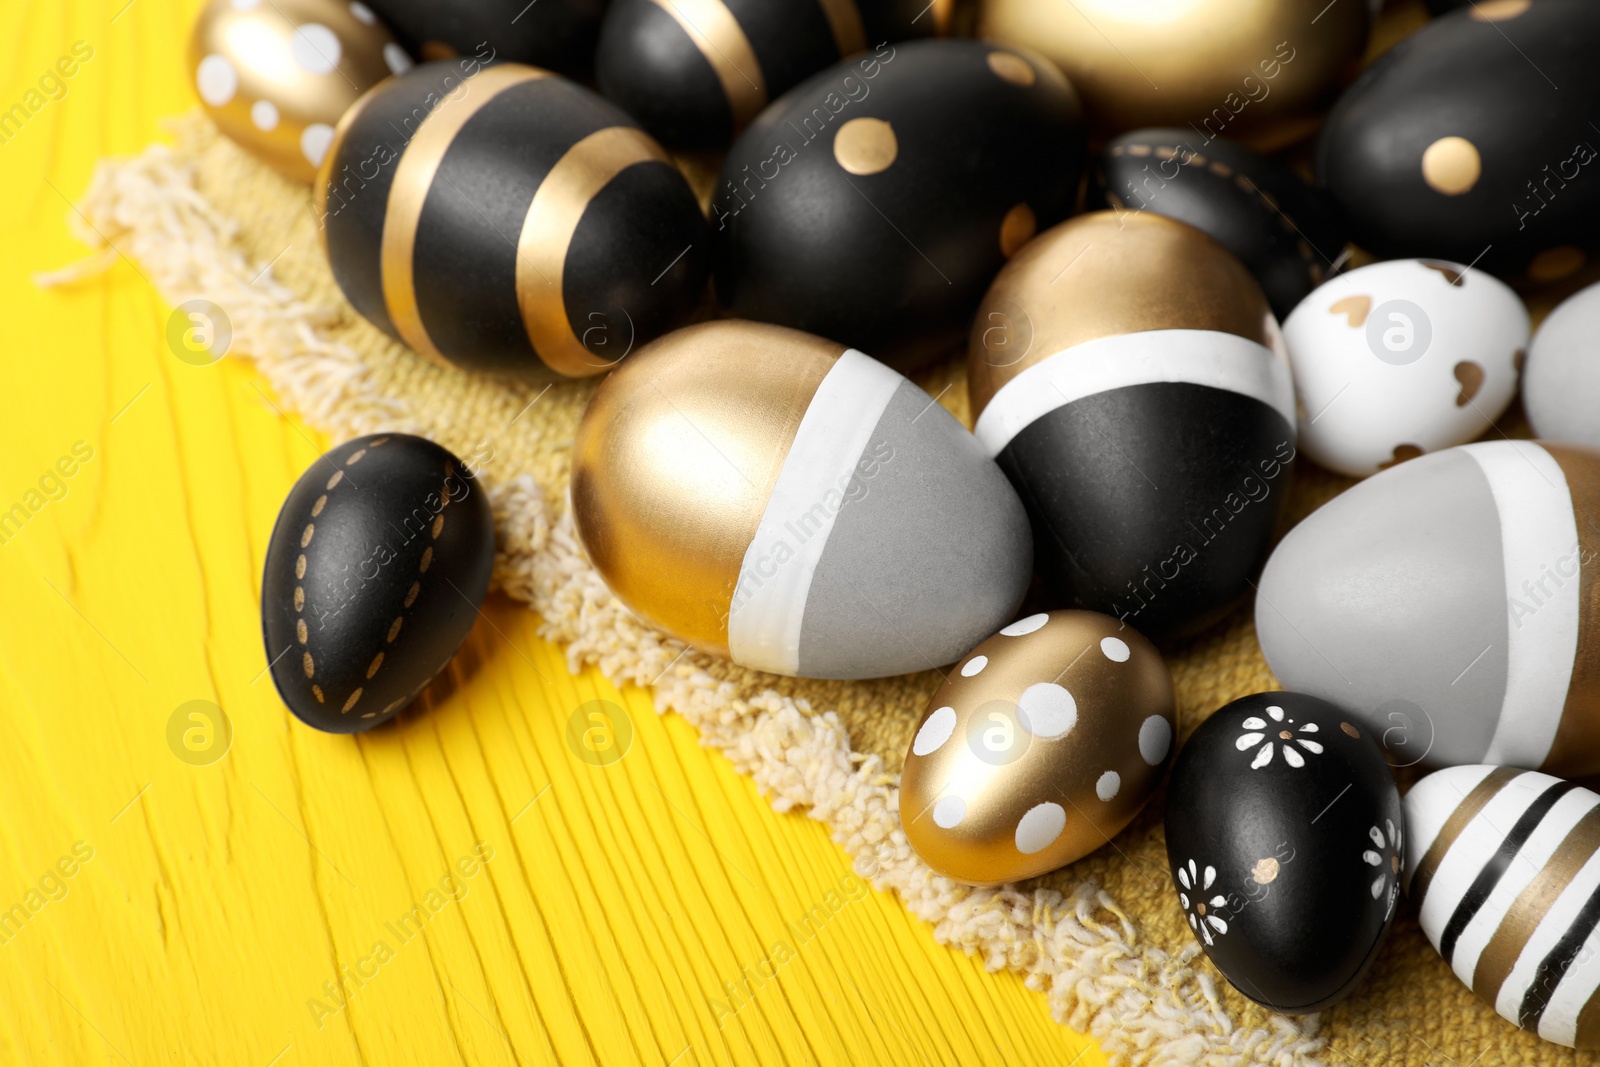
[{"x": 212, "y": 882}]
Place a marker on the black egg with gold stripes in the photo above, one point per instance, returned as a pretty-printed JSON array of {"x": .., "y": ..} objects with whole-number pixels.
[
  {"x": 696, "y": 72},
  {"x": 555, "y": 34},
  {"x": 506, "y": 220}
]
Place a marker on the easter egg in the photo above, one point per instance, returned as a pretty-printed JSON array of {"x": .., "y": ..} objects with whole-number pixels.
[
  {"x": 1282, "y": 229},
  {"x": 1125, "y": 373},
  {"x": 375, "y": 570},
  {"x": 874, "y": 202},
  {"x": 1400, "y": 358},
  {"x": 1561, "y": 384},
  {"x": 1449, "y": 604},
  {"x": 277, "y": 77},
  {"x": 1247, "y": 69},
  {"x": 557, "y": 35},
  {"x": 1041, "y": 745},
  {"x": 1501, "y": 865},
  {"x": 1286, "y": 841},
  {"x": 695, "y": 74},
  {"x": 794, "y": 505},
  {"x": 1470, "y": 141},
  {"x": 506, "y": 220}
]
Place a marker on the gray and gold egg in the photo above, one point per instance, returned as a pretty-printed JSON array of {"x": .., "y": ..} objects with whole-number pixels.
[
  {"x": 506, "y": 220},
  {"x": 1450, "y": 605},
  {"x": 1042, "y": 744},
  {"x": 375, "y": 569},
  {"x": 766, "y": 495},
  {"x": 277, "y": 76},
  {"x": 1503, "y": 867}
]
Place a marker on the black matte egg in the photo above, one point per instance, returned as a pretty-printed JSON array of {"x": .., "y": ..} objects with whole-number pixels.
[
  {"x": 1286, "y": 841},
  {"x": 507, "y": 220},
  {"x": 874, "y": 203},
  {"x": 377, "y": 564},
  {"x": 695, "y": 74}
]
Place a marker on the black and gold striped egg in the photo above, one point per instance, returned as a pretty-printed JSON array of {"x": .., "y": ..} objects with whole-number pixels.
[
  {"x": 1286, "y": 232},
  {"x": 696, "y": 72},
  {"x": 1471, "y": 141},
  {"x": 375, "y": 570},
  {"x": 506, "y": 220},
  {"x": 1503, "y": 866},
  {"x": 874, "y": 202},
  {"x": 1127, "y": 373},
  {"x": 555, "y": 34},
  {"x": 794, "y": 505}
]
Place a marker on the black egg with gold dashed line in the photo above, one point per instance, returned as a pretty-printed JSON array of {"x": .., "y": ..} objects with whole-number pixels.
[
  {"x": 696, "y": 72},
  {"x": 506, "y": 220},
  {"x": 375, "y": 570}
]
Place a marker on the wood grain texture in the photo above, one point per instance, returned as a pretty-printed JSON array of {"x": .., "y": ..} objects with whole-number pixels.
[{"x": 481, "y": 886}]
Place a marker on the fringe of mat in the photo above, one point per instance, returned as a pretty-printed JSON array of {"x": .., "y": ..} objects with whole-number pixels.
[{"x": 1142, "y": 1005}]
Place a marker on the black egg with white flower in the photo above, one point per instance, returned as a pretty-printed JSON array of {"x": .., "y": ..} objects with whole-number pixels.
[
  {"x": 1286, "y": 841},
  {"x": 277, "y": 76},
  {"x": 375, "y": 570}
]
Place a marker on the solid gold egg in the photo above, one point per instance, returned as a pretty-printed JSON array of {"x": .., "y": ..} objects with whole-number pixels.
[
  {"x": 277, "y": 75},
  {"x": 1041, "y": 745},
  {"x": 1245, "y": 69}
]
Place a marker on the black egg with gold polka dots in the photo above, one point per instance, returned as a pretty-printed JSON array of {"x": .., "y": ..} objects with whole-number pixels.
[
  {"x": 1471, "y": 141},
  {"x": 874, "y": 202},
  {"x": 1285, "y": 231},
  {"x": 375, "y": 571}
]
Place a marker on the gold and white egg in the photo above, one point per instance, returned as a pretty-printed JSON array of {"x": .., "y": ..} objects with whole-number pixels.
[
  {"x": 1042, "y": 744},
  {"x": 277, "y": 75}
]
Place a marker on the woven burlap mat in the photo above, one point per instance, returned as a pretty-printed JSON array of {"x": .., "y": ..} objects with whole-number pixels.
[{"x": 1104, "y": 939}]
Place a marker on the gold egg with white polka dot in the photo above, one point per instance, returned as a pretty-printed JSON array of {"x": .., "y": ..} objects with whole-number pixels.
[
  {"x": 1042, "y": 744},
  {"x": 277, "y": 75}
]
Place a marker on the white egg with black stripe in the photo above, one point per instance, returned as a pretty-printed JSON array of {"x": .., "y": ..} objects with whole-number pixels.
[
  {"x": 794, "y": 505},
  {"x": 1451, "y": 604},
  {"x": 1504, "y": 869},
  {"x": 1127, "y": 374}
]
